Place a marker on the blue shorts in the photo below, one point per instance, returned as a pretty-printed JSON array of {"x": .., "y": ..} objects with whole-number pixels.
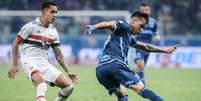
[
  {"x": 141, "y": 55},
  {"x": 112, "y": 74}
]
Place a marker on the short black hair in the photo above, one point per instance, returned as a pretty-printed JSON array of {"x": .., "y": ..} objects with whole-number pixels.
[
  {"x": 47, "y": 5},
  {"x": 140, "y": 15},
  {"x": 144, "y": 4}
]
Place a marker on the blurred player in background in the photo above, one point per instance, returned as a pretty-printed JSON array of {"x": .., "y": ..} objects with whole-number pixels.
[
  {"x": 149, "y": 32},
  {"x": 113, "y": 71},
  {"x": 32, "y": 43}
]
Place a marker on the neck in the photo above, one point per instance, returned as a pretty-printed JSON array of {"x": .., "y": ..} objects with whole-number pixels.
[{"x": 44, "y": 22}]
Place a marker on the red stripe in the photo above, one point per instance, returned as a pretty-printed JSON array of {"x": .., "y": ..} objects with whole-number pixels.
[
  {"x": 20, "y": 38},
  {"x": 34, "y": 71},
  {"x": 38, "y": 97},
  {"x": 42, "y": 38}
]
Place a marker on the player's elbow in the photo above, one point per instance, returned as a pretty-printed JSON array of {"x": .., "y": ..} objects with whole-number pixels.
[{"x": 146, "y": 48}]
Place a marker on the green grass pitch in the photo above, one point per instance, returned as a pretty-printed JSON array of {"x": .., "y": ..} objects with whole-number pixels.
[{"x": 171, "y": 84}]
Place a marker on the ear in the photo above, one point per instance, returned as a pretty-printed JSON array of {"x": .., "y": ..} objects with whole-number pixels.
[{"x": 44, "y": 10}]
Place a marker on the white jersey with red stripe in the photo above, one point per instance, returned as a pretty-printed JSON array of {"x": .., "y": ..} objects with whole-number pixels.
[{"x": 37, "y": 40}]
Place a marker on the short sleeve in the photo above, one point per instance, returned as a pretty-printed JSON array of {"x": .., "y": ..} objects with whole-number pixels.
[
  {"x": 120, "y": 26},
  {"x": 25, "y": 31},
  {"x": 133, "y": 41}
]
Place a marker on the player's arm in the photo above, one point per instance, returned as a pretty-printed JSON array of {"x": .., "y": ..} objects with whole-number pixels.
[
  {"x": 15, "y": 47},
  {"x": 60, "y": 59},
  {"x": 102, "y": 25},
  {"x": 21, "y": 36},
  {"x": 63, "y": 64},
  {"x": 152, "y": 48}
]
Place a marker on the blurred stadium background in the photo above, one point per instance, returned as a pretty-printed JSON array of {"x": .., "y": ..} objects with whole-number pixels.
[{"x": 178, "y": 21}]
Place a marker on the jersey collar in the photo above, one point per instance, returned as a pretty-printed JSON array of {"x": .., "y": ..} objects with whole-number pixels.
[{"x": 38, "y": 21}]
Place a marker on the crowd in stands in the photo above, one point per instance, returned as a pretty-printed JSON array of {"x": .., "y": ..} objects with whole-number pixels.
[{"x": 175, "y": 17}]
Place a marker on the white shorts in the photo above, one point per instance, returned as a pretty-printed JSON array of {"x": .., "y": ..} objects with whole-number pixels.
[{"x": 49, "y": 72}]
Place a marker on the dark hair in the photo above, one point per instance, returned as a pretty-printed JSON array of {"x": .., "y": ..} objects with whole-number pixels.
[
  {"x": 144, "y": 4},
  {"x": 140, "y": 15},
  {"x": 47, "y": 5}
]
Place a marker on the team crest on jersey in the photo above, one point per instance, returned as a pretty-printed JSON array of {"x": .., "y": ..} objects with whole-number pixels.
[
  {"x": 120, "y": 21},
  {"x": 38, "y": 31},
  {"x": 44, "y": 42}
]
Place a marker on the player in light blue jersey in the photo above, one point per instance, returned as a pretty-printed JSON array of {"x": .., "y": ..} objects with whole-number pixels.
[
  {"x": 112, "y": 70},
  {"x": 149, "y": 32}
]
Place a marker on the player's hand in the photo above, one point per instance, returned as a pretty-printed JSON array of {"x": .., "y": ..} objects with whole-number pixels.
[
  {"x": 89, "y": 29},
  {"x": 171, "y": 49},
  {"x": 13, "y": 71},
  {"x": 73, "y": 77}
]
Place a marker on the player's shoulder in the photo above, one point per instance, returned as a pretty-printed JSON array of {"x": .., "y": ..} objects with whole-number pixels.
[
  {"x": 121, "y": 24},
  {"x": 152, "y": 20},
  {"x": 120, "y": 21},
  {"x": 28, "y": 25}
]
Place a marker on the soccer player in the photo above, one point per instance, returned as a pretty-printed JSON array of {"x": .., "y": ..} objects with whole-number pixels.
[
  {"x": 32, "y": 43},
  {"x": 112, "y": 70},
  {"x": 149, "y": 32}
]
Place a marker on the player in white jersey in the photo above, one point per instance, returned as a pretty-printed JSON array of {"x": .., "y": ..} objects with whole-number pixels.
[{"x": 33, "y": 42}]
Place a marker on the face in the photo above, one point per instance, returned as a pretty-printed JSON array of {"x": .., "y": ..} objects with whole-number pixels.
[
  {"x": 136, "y": 24},
  {"x": 50, "y": 14},
  {"x": 145, "y": 9}
]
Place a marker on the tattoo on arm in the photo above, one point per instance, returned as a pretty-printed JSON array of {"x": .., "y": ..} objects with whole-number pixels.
[
  {"x": 148, "y": 47},
  {"x": 151, "y": 48},
  {"x": 60, "y": 58}
]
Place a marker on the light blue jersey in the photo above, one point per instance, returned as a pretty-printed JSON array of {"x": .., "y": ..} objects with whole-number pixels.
[{"x": 148, "y": 31}]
